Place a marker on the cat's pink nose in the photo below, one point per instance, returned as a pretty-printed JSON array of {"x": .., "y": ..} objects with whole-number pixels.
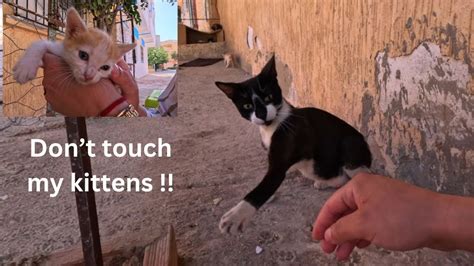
[{"x": 88, "y": 77}]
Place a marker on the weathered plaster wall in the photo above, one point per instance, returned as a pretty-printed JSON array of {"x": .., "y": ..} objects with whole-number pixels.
[
  {"x": 200, "y": 50},
  {"x": 399, "y": 70}
]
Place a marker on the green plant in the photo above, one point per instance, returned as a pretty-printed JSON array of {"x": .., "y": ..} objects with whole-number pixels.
[
  {"x": 174, "y": 55},
  {"x": 105, "y": 11},
  {"x": 157, "y": 56}
]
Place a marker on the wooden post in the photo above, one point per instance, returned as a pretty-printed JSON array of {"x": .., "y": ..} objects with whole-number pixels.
[{"x": 163, "y": 252}]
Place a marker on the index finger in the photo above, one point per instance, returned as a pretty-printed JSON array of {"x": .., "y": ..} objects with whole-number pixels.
[
  {"x": 121, "y": 63},
  {"x": 339, "y": 204}
]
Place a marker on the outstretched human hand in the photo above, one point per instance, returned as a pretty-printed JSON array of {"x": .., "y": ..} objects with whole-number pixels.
[{"x": 389, "y": 213}]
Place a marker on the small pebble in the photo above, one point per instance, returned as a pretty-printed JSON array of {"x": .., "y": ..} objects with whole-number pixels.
[
  {"x": 4, "y": 197},
  {"x": 258, "y": 250},
  {"x": 217, "y": 201}
]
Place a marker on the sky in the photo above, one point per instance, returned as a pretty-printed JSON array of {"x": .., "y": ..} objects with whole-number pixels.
[{"x": 166, "y": 20}]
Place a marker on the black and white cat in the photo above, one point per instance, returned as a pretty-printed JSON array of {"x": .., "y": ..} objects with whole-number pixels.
[{"x": 317, "y": 143}]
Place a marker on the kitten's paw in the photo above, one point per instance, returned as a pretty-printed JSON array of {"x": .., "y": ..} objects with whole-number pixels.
[
  {"x": 320, "y": 185},
  {"x": 335, "y": 182},
  {"x": 25, "y": 70},
  {"x": 237, "y": 218}
]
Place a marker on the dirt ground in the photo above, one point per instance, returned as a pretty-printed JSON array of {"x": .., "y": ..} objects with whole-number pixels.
[{"x": 216, "y": 160}]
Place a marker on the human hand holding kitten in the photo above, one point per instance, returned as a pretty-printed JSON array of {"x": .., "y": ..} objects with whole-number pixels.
[{"x": 71, "y": 98}]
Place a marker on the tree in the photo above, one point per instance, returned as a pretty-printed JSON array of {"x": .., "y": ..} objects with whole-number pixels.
[
  {"x": 157, "y": 56},
  {"x": 105, "y": 11},
  {"x": 174, "y": 55}
]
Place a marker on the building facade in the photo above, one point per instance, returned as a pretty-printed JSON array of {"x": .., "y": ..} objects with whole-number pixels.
[{"x": 143, "y": 35}]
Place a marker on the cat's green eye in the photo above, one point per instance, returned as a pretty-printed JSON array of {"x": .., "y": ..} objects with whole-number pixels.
[
  {"x": 248, "y": 106},
  {"x": 83, "y": 55},
  {"x": 105, "y": 67},
  {"x": 268, "y": 99}
]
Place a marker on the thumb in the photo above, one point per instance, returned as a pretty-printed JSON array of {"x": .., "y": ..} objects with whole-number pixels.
[
  {"x": 122, "y": 77},
  {"x": 347, "y": 228},
  {"x": 119, "y": 76}
]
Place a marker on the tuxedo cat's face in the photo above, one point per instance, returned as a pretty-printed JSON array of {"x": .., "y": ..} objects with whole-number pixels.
[{"x": 259, "y": 98}]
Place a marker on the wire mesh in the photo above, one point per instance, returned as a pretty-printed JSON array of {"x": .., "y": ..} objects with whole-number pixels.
[{"x": 31, "y": 20}]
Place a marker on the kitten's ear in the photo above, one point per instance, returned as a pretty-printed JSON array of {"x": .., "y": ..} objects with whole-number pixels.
[
  {"x": 74, "y": 23},
  {"x": 269, "y": 69},
  {"x": 228, "y": 88},
  {"x": 124, "y": 48}
]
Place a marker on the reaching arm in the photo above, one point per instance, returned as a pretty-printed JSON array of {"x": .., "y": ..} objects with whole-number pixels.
[
  {"x": 394, "y": 215},
  {"x": 454, "y": 228}
]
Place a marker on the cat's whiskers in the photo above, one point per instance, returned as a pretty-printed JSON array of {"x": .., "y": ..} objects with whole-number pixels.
[
  {"x": 62, "y": 78},
  {"x": 287, "y": 125},
  {"x": 66, "y": 82}
]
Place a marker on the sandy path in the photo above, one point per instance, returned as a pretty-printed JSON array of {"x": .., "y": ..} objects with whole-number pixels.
[{"x": 216, "y": 155}]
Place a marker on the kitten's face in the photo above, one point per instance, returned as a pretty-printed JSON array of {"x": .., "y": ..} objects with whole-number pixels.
[
  {"x": 258, "y": 99},
  {"x": 90, "y": 53}
]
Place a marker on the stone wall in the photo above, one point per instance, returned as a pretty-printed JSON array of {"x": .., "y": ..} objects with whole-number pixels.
[{"x": 398, "y": 70}]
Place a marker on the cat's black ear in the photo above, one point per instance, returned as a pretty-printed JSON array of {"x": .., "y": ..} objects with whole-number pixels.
[
  {"x": 228, "y": 88},
  {"x": 74, "y": 23},
  {"x": 270, "y": 69}
]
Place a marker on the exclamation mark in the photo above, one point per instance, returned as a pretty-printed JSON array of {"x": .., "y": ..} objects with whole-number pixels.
[
  {"x": 170, "y": 180},
  {"x": 163, "y": 182}
]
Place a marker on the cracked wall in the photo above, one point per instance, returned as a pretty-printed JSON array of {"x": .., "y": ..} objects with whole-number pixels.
[
  {"x": 424, "y": 124},
  {"x": 399, "y": 71}
]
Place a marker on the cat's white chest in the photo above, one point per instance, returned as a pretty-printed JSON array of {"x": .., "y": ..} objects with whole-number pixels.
[{"x": 266, "y": 133}]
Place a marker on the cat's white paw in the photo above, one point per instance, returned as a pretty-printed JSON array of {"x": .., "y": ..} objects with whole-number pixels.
[
  {"x": 335, "y": 182},
  {"x": 320, "y": 185},
  {"x": 25, "y": 70},
  {"x": 237, "y": 218}
]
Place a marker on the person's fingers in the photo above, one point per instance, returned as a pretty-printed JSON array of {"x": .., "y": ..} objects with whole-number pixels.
[
  {"x": 327, "y": 247},
  {"x": 347, "y": 228},
  {"x": 363, "y": 243},
  {"x": 122, "y": 77},
  {"x": 121, "y": 63},
  {"x": 117, "y": 75},
  {"x": 339, "y": 204},
  {"x": 344, "y": 250}
]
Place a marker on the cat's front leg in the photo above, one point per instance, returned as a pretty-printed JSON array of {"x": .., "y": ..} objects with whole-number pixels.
[
  {"x": 27, "y": 67},
  {"x": 237, "y": 218}
]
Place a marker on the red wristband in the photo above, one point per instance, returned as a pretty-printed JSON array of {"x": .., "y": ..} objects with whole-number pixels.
[{"x": 112, "y": 106}]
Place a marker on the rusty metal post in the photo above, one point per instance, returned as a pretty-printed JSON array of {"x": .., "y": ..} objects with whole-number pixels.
[{"x": 85, "y": 201}]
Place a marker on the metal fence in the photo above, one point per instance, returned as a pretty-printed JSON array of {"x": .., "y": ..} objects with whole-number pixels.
[
  {"x": 42, "y": 12},
  {"x": 125, "y": 29}
]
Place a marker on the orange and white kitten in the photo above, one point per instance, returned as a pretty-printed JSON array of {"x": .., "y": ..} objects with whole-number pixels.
[
  {"x": 89, "y": 52},
  {"x": 229, "y": 60}
]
